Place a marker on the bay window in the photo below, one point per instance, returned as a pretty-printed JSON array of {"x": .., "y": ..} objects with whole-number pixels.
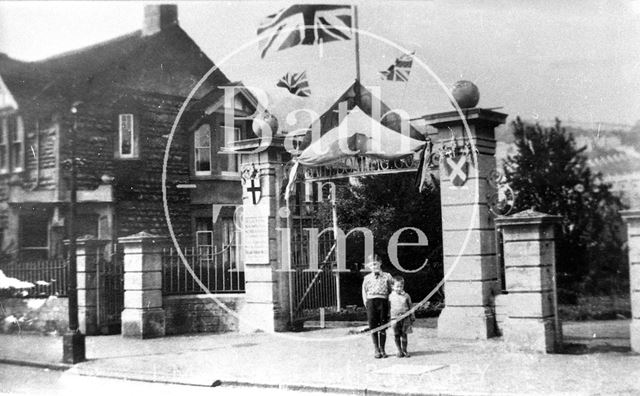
[{"x": 233, "y": 161}]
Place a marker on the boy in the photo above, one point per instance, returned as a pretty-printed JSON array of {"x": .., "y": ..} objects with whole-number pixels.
[
  {"x": 399, "y": 305},
  {"x": 375, "y": 295}
]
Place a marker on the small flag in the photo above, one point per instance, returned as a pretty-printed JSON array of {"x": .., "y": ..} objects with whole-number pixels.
[
  {"x": 304, "y": 24},
  {"x": 296, "y": 83},
  {"x": 291, "y": 181},
  {"x": 400, "y": 70}
]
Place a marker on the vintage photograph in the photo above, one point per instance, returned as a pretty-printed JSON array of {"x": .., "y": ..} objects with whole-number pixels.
[{"x": 294, "y": 198}]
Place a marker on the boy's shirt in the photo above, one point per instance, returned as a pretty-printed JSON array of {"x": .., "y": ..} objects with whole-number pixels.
[
  {"x": 399, "y": 304},
  {"x": 376, "y": 285}
]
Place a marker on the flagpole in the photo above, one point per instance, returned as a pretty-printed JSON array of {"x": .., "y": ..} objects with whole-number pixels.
[
  {"x": 406, "y": 83},
  {"x": 357, "y": 41}
]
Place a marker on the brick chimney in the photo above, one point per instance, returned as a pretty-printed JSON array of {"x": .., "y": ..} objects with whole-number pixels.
[{"x": 158, "y": 17}]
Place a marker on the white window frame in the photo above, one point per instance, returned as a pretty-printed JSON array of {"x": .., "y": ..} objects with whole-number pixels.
[
  {"x": 209, "y": 233},
  {"x": 204, "y": 251},
  {"x": 195, "y": 153},
  {"x": 16, "y": 157},
  {"x": 232, "y": 135},
  {"x": 228, "y": 226},
  {"x": 4, "y": 144},
  {"x": 132, "y": 154}
]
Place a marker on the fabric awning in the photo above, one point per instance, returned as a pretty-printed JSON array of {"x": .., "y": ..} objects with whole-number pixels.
[{"x": 359, "y": 135}]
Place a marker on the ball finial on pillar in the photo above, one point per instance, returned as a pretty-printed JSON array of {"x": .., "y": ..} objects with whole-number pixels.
[
  {"x": 265, "y": 124},
  {"x": 466, "y": 94}
]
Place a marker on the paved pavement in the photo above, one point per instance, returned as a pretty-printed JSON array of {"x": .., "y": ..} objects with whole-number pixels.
[
  {"x": 331, "y": 360},
  {"x": 20, "y": 380}
]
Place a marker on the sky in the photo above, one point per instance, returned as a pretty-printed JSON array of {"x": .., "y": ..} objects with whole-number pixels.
[{"x": 576, "y": 60}]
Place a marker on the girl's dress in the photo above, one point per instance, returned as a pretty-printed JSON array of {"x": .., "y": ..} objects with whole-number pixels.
[{"x": 399, "y": 304}]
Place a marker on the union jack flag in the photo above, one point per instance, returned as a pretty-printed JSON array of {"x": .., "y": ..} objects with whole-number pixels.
[
  {"x": 296, "y": 83},
  {"x": 304, "y": 24},
  {"x": 400, "y": 70}
]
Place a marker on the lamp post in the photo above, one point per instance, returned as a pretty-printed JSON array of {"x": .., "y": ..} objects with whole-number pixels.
[{"x": 73, "y": 343}]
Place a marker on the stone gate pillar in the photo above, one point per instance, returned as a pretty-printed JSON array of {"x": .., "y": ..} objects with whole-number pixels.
[
  {"x": 143, "y": 315},
  {"x": 87, "y": 256},
  {"x": 530, "y": 273},
  {"x": 468, "y": 232},
  {"x": 264, "y": 229},
  {"x": 632, "y": 218}
]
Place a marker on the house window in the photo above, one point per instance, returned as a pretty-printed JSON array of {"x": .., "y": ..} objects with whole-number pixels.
[
  {"x": 232, "y": 135},
  {"x": 34, "y": 237},
  {"x": 127, "y": 136},
  {"x": 204, "y": 235},
  {"x": 202, "y": 150},
  {"x": 204, "y": 239},
  {"x": 4, "y": 152},
  {"x": 230, "y": 245},
  {"x": 11, "y": 144}
]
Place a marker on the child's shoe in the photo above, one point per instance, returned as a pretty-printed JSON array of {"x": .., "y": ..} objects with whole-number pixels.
[
  {"x": 405, "y": 354},
  {"x": 400, "y": 354}
]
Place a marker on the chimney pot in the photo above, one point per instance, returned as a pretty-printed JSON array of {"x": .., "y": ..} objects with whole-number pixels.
[{"x": 158, "y": 17}]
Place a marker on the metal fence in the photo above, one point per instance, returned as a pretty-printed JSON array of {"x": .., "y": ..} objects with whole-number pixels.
[
  {"x": 216, "y": 268},
  {"x": 110, "y": 290},
  {"x": 311, "y": 290},
  {"x": 48, "y": 276}
]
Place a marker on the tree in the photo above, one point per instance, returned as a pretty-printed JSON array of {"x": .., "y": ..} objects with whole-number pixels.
[{"x": 550, "y": 174}]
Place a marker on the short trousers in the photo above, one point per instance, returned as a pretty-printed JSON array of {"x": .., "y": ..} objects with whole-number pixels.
[{"x": 403, "y": 326}]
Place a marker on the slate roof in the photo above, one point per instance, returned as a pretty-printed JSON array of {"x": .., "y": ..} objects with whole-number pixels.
[{"x": 168, "y": 62}]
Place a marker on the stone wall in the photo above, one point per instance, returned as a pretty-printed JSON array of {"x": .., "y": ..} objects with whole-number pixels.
[
  {"x": 137, "y": 181},
  {"x": 200, "y": 313},
  {"x": 184, "y": 314},
  {"x": 43, "y": 315}
]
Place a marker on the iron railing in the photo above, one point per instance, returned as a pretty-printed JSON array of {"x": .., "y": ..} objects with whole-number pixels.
[
  {"x": 49, "y": 276},
  {"x": 313, "y": 289},
  {"x": 218, "y": 269}
]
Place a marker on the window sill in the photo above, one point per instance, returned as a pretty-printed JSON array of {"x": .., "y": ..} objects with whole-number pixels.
[
  {"x": 223, "y": 176},
  {"x": 126, "y": 158}
]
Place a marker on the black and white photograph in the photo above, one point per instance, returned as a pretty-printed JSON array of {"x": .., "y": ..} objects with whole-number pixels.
[{"x": 402, "y": 197}]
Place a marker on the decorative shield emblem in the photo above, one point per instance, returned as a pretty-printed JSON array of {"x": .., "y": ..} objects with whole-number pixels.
[
  {"x": 458, "y": 168},
  {"x": 251, "y": 182}
]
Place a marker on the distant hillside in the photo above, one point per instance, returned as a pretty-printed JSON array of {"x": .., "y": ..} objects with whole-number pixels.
[
  {"x": 612, "y": 150},
  {"x": 599, "y": 139}
]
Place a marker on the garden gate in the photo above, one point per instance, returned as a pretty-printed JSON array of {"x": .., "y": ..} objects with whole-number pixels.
[{"x": 110, "y": 289}]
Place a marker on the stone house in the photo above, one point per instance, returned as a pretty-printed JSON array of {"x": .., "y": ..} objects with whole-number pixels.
[{"x": 122, "y": 97}]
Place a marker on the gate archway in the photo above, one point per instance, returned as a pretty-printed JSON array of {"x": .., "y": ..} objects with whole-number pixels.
[{"x": 469, "y": 247}]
